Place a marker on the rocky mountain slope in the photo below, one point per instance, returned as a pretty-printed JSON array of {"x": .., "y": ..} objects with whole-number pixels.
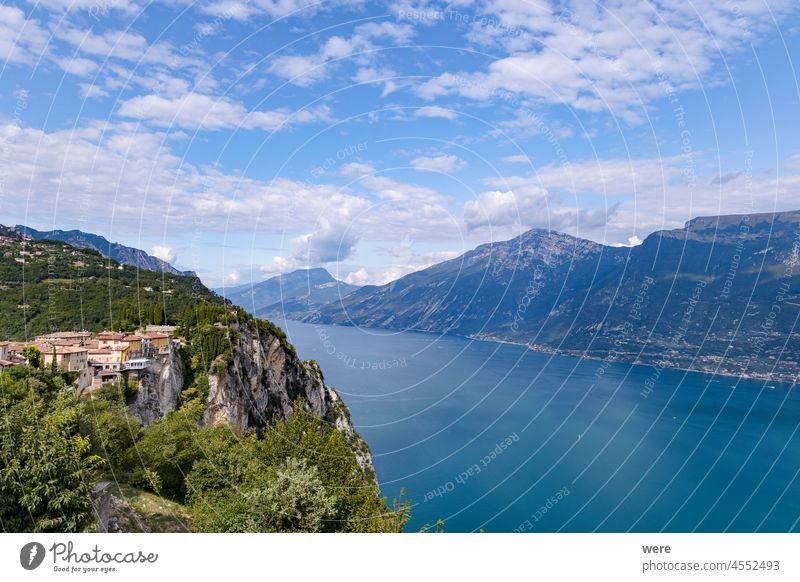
[
  {"x": 111, "y": 250},
  {"x": 289, "y": 295},
  {"x": 720, "y": 294},
  {"x": 48, "y": 285}
]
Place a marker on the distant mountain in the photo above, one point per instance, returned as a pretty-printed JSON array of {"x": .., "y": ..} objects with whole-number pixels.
[
  {"x": 118, "y": 252},
  {"x": 719, "y": 294},
  {"x": 290, "y": 295},
  {"x": 48, "y": 285}
]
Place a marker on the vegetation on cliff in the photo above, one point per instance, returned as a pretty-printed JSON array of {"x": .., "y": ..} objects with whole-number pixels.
[{"x": 302, "y": 475}]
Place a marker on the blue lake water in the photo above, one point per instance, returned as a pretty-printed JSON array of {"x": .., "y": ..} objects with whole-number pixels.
[{"x": 494, "y": 436}]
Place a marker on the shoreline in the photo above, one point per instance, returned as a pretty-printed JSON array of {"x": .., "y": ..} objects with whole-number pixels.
[{"x": 622, "y": 359}]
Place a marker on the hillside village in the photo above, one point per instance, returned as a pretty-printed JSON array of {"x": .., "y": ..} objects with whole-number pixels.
[{"x": 97, "y": 359}]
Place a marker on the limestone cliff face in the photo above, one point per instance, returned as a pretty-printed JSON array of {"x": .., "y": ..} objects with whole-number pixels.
[
  {"x": 260, "y": 380},
  {"x": 264, "y": 378},
  {"x": 159, "y": 388}
]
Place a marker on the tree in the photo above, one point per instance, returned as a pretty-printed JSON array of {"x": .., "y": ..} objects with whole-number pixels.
[
  {"x": 33, "y": 356},
  {"x": 46, "y": 468},
  {"x": 167, "y": 449},
  {"x": 290, "y": 498}
]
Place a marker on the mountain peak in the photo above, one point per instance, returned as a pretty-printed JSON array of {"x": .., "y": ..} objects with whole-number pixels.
[{"x": 111, "y": 250}]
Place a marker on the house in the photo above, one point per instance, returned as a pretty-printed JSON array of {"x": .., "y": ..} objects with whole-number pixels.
[
  {"x": 158, "y": 342},
  {"x": 67, "y": 358},
  {"x": 106, "y": 365},
  {"x": 70, "y": 359},
  {"x": 4, "y": 350},
  {"x": 64, "y": 338},
  {"x": 134, "y": 345}
]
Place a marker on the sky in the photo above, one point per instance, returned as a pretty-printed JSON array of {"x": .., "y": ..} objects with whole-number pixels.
[{"x": 245, "y": 138}]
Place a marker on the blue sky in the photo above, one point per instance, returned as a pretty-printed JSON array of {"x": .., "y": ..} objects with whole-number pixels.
[{"x": 246, "y": 138}]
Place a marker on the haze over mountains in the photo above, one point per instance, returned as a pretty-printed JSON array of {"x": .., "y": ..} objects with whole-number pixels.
[
  {"x": 720, "y": 294},
  {"x": 111, "y": 250},
  {"x": 291, "y": 295}
]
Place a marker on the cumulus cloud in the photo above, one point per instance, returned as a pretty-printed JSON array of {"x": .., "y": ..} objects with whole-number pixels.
[
  {"x": 199, "y": 111},
  {"x": 436, "y": 111},
  {"x": 330, "y": 243},
  {"x": 357, "y": 277},
  {"x": 615, "y": 57},
  {"x": 22, "y": 40},
  {"x": 307, "y": 69},
  {"x": 164, "y": 253},
  {"x": 444, "y": 163},
  {"x": 517, "y": 159}
]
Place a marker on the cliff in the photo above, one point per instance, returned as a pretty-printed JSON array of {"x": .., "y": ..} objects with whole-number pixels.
[
  {"x": 263, "y": 378},
  {"x": 259, "y": 379},
  {"x": 159, "y": 388}
]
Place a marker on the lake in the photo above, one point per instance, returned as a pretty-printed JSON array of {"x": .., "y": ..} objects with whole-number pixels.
[{"x": 496, "y": 437}]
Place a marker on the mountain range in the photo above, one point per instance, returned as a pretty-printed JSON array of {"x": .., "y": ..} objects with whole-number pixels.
[
  {"x": 288, "y": 296},
  {"x": 110, "y": 250},
  {"x": 720, "y": 294}
]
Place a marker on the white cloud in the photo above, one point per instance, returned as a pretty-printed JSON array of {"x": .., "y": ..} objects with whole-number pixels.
[
  {"x": 517, "y": 159},
  {"x": 232, "y": 278},
  {"x": 94, "y": 8},
  {"x": 198, "y": 111},
  {"x": 76, "y": 66},
  {"x": 117, "y": 44},
  {"x": 22, "y": 40},
  {"x": 436, "y": 111},
  {"x": 306, "y": 70},
  {"x": 444, "y": 163},
  {"x": 615, "y": 57},
  {"x": 358, "y": 277},
  {"x": 91, "y": 91},
  {"x": 244, "y": 9},
  {"x": 164, "y": 253}
]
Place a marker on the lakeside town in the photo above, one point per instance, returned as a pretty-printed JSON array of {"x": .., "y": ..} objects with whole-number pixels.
[{"x": 97, "y": 359}]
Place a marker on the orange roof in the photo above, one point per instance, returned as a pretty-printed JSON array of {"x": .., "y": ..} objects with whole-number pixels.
[
  {"x": 156, "y": 336},
  {"x": 69, "y": 350},
  {"x": 132, "y": 338}
]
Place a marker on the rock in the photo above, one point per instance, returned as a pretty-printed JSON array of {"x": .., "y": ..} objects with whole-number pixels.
[{"x": 160, "y": 388}]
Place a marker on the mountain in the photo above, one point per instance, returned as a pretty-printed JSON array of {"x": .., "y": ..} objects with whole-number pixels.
[
  {"x": 290, "y": 295},
  {"x": 234, "y": 395},
  {"x": 120, "y": 253},
  {"x": 48, "y": 285},
  {"x": 720, "y": 294}
]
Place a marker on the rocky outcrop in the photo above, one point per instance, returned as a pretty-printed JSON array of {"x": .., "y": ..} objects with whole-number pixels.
[
  {"x": 262, "y": 379},
  {"x": 160, "y": 388}
]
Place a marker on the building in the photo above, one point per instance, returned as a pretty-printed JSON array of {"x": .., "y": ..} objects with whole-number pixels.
[
  {"x": 158, "y": 342},
  {"x": 70, "y": 359},
  {"x": 134, "y": 345},
  {"x": 106, "y": 365},
  {"x": 67, "y": 358},
  {"x": 65, "y": 338},
  {"x": 4, "y": 350}
]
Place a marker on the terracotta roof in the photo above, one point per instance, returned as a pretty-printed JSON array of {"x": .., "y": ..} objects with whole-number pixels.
[
  {"x": 156, "y": 336},
  {"x": 65, "y": 334},
  {"x": 132, "y": 338},
  {"x": 70, "y": 350}
]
